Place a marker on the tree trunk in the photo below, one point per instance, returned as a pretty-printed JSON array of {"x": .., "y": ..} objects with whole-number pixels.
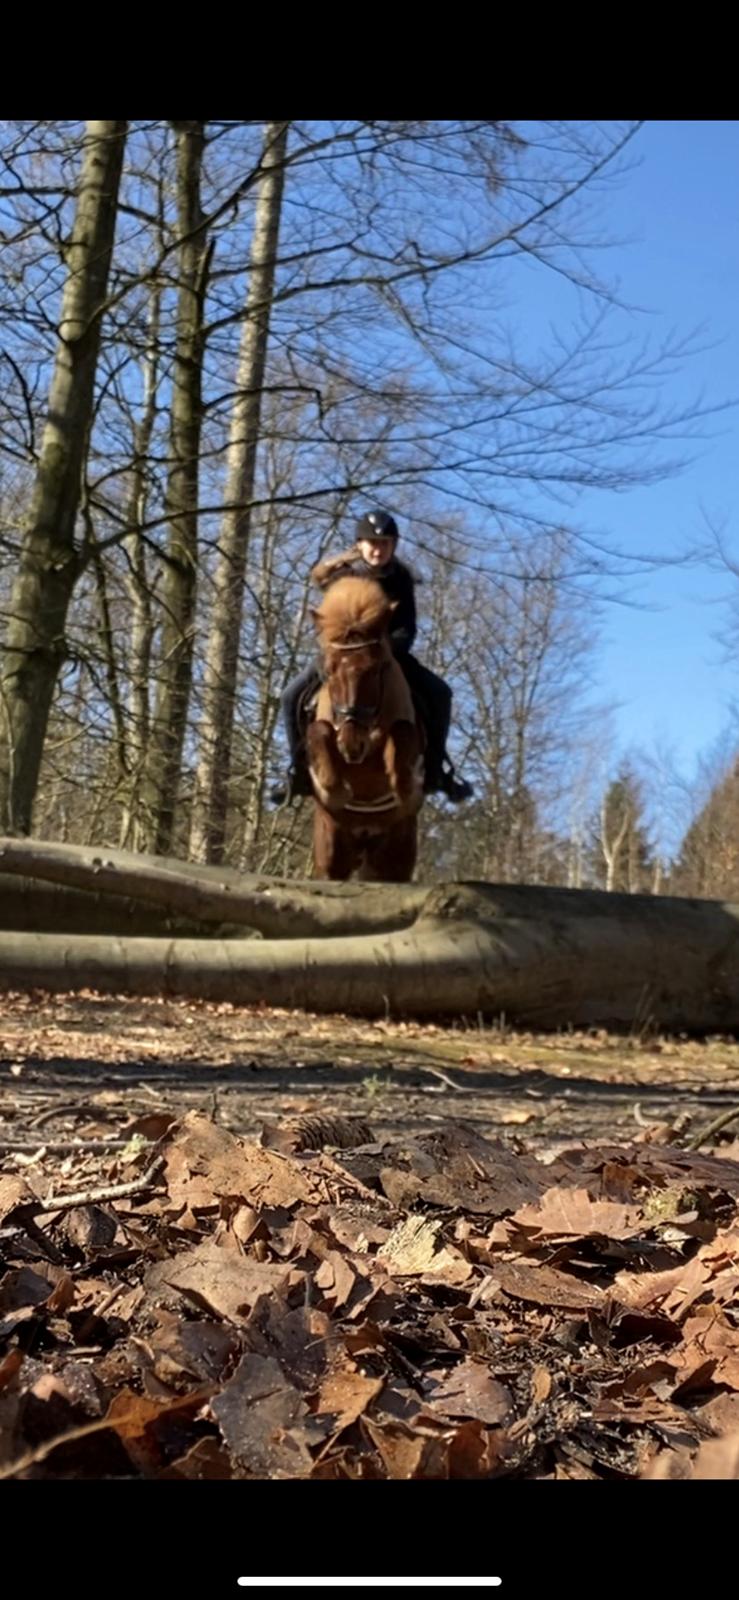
[
  {"x": 210, "y": 804},
  {"x": 28, "y": 905},
  {"x": 276, "y": 908},
  {"x": 179, "y": 588},
  {"x": 544, "y": 958},
  {"x": 134, "y": 826},
  {"x": 35, "y": 647}
]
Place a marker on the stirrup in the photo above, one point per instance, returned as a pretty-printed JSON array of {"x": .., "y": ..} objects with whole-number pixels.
[{"x": 296, "y": 786}]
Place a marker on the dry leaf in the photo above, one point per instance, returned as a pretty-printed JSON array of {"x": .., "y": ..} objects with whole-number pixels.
[
  {"x": 541, "y": 1385},
  {"x": 345, "y": 1395},
  {"x": 219, "y": 1281},
  {"x": 14, "y": 1192},
  {"x": 716, "y": 1459},
  {"x": 563, "y": 1213},
  {"x": 205, "y": 1163},
  {"x": 542, "y": 1286},
  {"x": 457, "y": 1168},
  {"x": 711, "y": 1347},
  {"x": 261, "y": 1418},
  {"x": 469, "y": 1391},
  {"x": 206, "y": 1460}
]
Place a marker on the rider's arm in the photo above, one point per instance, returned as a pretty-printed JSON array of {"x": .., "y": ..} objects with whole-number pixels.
[
  {"x": 403, "y": 633},
  {"x": 324, "y": 571}
]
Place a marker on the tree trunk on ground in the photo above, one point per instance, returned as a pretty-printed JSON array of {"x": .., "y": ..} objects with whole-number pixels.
[
  {"x": 544, "y": 958},
  {"x": 34, "y": 648},
  {"x": 27, "y": 905},
  {"x": 210, "y": 803},
  {"x": 178, "y": 595},
  {"x": 274, "y": 907}
]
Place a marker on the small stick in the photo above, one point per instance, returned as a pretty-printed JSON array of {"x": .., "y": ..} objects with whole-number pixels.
[
  {"x": 96, "y": 1147},
  {"x": 436, "y": 1072},
  {"x": 713, "y": 1127},
  {"x": 74, "y": 1109},
  {"x": 90, "y": 1197}
]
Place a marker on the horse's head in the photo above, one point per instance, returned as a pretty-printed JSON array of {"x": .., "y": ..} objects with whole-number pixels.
[
  {"x": 354, "y": 675},
  {"x": 352, "y": 625}
]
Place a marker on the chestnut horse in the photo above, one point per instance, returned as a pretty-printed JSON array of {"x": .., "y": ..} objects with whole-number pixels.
[{"x": 365, "y": 746}]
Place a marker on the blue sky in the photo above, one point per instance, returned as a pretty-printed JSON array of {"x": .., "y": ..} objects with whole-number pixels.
[{"x": 679, "y": 211}]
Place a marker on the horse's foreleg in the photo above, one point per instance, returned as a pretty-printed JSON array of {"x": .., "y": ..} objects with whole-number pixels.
[
  {"x": 334, "y": 854},
  {"x": 403, "y": 761},
  {"x": 324, "y": 761},
  {"x": 391, "y": 856}
]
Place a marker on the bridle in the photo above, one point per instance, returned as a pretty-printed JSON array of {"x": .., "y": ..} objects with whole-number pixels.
[{"x": 363, "y": 715}]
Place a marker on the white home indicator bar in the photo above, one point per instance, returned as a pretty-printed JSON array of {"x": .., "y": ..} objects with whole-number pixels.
[{"x": 369, "y": 1583}]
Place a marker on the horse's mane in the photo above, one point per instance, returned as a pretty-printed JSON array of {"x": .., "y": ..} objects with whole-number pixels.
[{"x": 353, "y": 609}]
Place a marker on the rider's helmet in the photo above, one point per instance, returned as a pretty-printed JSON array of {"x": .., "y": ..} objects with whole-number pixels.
[{"x": 377, "y": 525}]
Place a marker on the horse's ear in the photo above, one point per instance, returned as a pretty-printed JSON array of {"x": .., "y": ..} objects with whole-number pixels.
[{"x": 316, "y": 615}]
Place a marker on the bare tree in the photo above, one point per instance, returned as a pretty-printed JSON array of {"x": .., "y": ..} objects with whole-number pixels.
[
  {"x": 625, "y": 849},
  {"x": 161, "y": 776},
  {"x": 49, "y": 560},
  {"x": 210, "y": 804}
]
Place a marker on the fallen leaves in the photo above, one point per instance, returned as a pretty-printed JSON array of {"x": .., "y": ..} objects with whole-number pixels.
[
  {"x": 319, "y": 1305},
  {"x": 218, "y": 1281},
  {"x": 262, "y": 1418},
  {"x": 563, "y": 1213},
  {"x": 715, "y": 1459},
  {"x": 469, "y": 1391},
  {"x": 204, "y": 1165}
]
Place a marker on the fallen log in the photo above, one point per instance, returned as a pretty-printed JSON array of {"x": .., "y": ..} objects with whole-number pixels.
[
  {"x": 544, "y": 957},
  {"x": 278, "y": 908},
  {"x": 26, "y": 905}
]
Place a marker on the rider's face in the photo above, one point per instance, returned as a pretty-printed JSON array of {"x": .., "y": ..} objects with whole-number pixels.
[{"x": 376, "y": 552}]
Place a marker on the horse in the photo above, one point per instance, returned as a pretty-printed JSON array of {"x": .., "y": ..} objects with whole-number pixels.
[{"x": 365, "y": 744}]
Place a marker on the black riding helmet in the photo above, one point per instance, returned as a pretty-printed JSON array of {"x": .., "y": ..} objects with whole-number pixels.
[{"x": 377, "y": 525}]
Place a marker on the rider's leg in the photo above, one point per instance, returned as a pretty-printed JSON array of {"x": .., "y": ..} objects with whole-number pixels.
[
  {"x": 297, "y": 779},
  {"x": 438, "y": 697}
]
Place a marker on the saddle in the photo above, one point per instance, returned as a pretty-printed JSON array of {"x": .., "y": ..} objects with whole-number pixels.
[{"x": 309, "y": 701}]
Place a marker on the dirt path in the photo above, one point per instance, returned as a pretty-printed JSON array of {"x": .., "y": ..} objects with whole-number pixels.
[{"x": 81, "y": 1062}]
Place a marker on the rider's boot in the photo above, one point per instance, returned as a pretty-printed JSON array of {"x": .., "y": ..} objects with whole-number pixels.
[
  {"x": 456, "y": 789},
  {"x": 296, "y": 784}
]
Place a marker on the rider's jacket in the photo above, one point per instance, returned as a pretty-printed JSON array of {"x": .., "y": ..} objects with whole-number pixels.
[{"x": 397, "y": 582}]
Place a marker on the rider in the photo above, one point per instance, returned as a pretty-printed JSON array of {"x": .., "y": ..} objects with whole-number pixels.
[{"x": 373, "y": 556}]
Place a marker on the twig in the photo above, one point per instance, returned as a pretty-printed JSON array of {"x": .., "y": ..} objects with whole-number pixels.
[
  {"x": 713, "y": 1127},
  {"x": 110, "y": 1299},
  {"x": 89, "y": 1197},
  {"x": 102, "y": 1113},
  {"x": 96, "y": 1147},
  {"x": 436, "y": 1072},
  {"x": 38, "y": 1237},
  {"x": 348, "y": 1179}
]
